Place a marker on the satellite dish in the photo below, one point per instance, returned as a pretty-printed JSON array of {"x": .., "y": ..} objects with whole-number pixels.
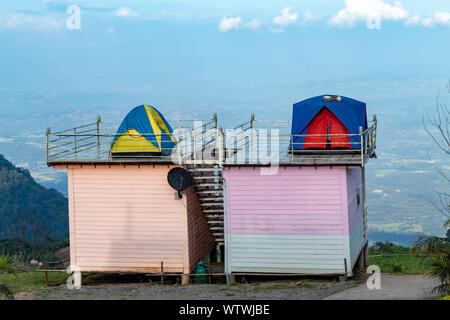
[{"x": 179, "y": 179}]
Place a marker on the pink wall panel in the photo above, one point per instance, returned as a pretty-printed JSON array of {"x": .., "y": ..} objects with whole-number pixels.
[
  {"x": 295, "y": 201},
  {"x": 126, "y": 218}
]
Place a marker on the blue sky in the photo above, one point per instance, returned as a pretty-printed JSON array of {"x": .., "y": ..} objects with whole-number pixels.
[
  {"x": 193, "y": 58},
  {"x": 178, "y": 45}
]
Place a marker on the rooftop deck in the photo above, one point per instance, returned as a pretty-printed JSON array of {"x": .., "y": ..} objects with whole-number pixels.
[{"x": 255, "y": 142}]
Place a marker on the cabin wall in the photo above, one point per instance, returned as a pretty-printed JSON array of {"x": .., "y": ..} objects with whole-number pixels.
[
  {"x": 294, "y": 221},
  {"x": 201, "y": 241},
  {"x": 126, "y": 218},
  {"x": 355, "y": 212}
]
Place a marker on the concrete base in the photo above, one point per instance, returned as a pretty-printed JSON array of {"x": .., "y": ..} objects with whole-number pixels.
[
  {"x": 366, "y": 255},
  {"x": 185, "y": 280},
  {"x": 231, "y": 278},
  {"x": 343, "y": 278}
]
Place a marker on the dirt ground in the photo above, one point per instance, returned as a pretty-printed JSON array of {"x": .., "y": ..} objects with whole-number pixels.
[
  {"x": 392, "y": 287},
  {"x": 278, "y": 290}
]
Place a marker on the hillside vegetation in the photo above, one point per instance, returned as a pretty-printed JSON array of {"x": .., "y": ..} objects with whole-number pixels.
[{"x": 29, "y": 211}]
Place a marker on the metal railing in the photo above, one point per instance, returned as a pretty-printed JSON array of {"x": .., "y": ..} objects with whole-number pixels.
[
  {"x": 93, "y": 142},
  {"x": 269, "y": 141},
  {"x": 255, "y": 142}
]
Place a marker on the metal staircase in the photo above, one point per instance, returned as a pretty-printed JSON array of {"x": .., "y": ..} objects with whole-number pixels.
[
  {"x": 206, "y": 166},
  {"x": 209, "y": 185}
]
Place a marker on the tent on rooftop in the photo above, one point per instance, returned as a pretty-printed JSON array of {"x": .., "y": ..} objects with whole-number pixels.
[
  {"x": 327, "y": 122},
  {"x": 143, "y": 132}
]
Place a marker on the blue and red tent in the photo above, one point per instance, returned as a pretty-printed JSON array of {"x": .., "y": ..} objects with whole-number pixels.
[{"x": 326, "y": 121}]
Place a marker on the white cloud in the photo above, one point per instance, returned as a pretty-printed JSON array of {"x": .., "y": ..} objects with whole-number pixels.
[
  {"x": 125, "y": 12},
  {"x": 364, "y": 10},
  {"x": 427, "y": 22},
  {"x": 310, "y": 16},
  {"x": 227, "y": 24},
  {"x": 442, "y": 18},
  {"x": 23, "y": 165},
  {"x": 377, "y": 191},
  {"x": 253, "y": 25},
  {"x": 413, "y": 20},
  {"x": 11, "y": 20},
  {"x": 286, "y": 18},
  {"x": 438, "y": 18},
  {"x": 6, "y": 140}
]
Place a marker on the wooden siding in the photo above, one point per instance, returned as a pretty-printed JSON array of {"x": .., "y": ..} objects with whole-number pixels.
[
  {"x": 355, "y": 212},
  {"x": 310, "y": 254},
  {"x": 356, "y": 242},
  {"x": 292, "y": 222},
  {"x": 293, "y": 201},
  {"x": 354, "y": 183},
  {"x": 126, "y": 218}
]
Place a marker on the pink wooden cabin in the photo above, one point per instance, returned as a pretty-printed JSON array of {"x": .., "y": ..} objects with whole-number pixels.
[
  {"x": 126, "y": 218},
  {"x": 309, "y": 216},
  {"x": 301, "y": 220},
  {"x": 123, "y": 215}
]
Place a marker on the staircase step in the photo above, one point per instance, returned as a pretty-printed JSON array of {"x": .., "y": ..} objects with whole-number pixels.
[
  {"x": 206, "y": 191},
  {"x": 212, "y": 216},
  {"x": 212, "y": 199},
  {"x": 206, "y": 177},
  {"x": 206, "y": 169},
  {"x": 209, "y": 185},
  {"x": 212, "y": 204}
]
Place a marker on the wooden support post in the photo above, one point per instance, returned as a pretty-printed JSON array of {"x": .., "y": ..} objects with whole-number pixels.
[
  {"x": 366, "y": 255},
  {"x": 360, "y": 263},
  {"x": 231, "y": 278},
  {"x": 185, "y": 279},
  {"x": 162, "y": 273},
  {"x": 46, "y": 274}
]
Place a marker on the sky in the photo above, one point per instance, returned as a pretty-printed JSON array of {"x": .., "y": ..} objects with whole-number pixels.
[{"x": 193, "y": 58}]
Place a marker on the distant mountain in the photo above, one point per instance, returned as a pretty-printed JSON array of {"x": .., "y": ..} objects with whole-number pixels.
[{"x": 27, "y": 209}]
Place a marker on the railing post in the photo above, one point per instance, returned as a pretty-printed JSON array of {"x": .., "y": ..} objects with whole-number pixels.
[
  {"x": 46, "y": 273},
  {"x": 75, "y": 141},
  {"x": 221, "y": 146},
  {"x": 195, "y": 145},
  {"x": 375, "y": 131},
  {"x": 47, "y": 133},
  {"x": 252, "y": 119},
  {"x": 99, "y": 119},
  {"x": 215, "y": 120},
  {"x": 362, "y": 145}
]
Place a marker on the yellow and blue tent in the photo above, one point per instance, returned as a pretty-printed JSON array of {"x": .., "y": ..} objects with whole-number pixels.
[{"x": 143, "y": 132}]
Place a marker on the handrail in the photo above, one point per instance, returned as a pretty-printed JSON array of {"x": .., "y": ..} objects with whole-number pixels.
[
  {"x": 46, "y": 268},
  {"x": 94, "y": 144}
]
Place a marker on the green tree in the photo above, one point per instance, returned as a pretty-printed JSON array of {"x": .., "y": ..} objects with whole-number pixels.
[
  {"x": 7, "y": 266},
  {"x": 437, "y": 250}
]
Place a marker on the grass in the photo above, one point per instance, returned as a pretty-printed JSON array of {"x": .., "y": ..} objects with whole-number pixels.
[
  {"x": 25, "y": 282},
  {"x": 398, "y": 264},
  {"x": 282, "y": 286}
]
